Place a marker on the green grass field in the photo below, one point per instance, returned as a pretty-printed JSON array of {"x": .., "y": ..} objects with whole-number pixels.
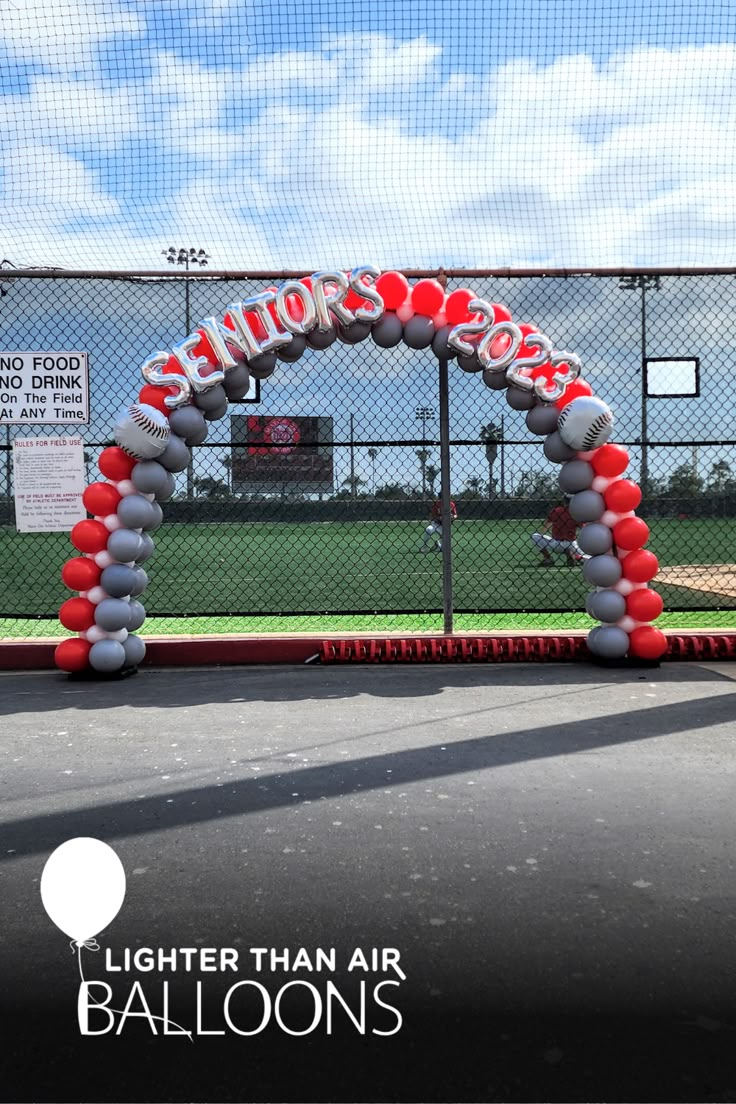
[{"x": 253, "y": 571}]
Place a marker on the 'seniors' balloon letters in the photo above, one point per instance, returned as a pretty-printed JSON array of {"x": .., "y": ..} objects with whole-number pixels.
[{"x": 190, "y": 384}]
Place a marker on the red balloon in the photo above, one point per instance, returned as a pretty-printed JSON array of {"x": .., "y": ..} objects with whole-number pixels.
[
  {"x": 499, "y": 345},
  {"x": 500, "y": 313},
  {"x": 644, "y": 605},
  {"x": 201, "y": 349},
  {"x": 155, "y": 396},
  {"x": 610, "y": 461},
  {"x": 77, "y": 614},
  {"x": 393, "y": 287},
  {"x": 646, "y": 642},
  {"x": 630, "y": 533},
  {"x": 72, "y": 654},
  {"x": 622, "y": 496},
  {"x": 427, "y": 297},
  {"x": 89, "y": 536},
  {"x": 101, "y": 499},
  {"x": 80, "y": 573},
  {"x": 639, "y": 566},
  {"x": 456, "y": 307},
  {"x": 116, "y": 464},
  {"x": 574, "y": 390}
]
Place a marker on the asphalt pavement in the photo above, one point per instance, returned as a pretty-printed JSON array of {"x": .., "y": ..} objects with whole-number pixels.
[{"x": 548, "y": 848}]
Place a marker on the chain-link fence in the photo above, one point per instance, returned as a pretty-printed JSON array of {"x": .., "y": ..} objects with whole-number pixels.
[{"x": 316, "y": 497}]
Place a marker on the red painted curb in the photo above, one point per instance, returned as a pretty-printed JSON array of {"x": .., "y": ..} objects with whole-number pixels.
[{"x": 208, "y": 651}]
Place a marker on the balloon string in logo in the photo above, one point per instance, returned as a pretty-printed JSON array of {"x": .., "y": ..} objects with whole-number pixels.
[{"x": 93, "y": 945}]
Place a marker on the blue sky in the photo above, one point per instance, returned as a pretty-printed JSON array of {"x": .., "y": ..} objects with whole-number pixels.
[{"x": 312, "y": 134}]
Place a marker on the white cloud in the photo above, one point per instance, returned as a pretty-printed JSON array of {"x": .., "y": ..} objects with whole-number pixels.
[
  {"x": 63, "y": 35},
  {"x": 363, "y": 151}
]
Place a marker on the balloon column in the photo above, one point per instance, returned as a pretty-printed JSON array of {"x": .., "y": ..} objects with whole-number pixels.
[{"x": 191, "y": 384}]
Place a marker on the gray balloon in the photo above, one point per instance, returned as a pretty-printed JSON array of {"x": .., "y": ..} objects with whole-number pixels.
[
  {"x": 556, "y": 450},
  {"x": 495, "y": 380},
  {"x": 137, "y": 616},
  {"x": 322, "y": 339},
  {"x": 469, "y": 363},
  {"x": 388, "y": 331},
  {"x": 112, "y": 614},
  {"x": 591, "y": 638},
  {"x": 210, "y": 400},
  {"x": 149, "y": 476},
  {"x": 263, "y": 366},
  {"x": 418, "y": 332},
  {"x": 124, "y": 545},
  {"x": 187, "y": 422},
  {"x": 575, "y": 475},
  {"x": 602, "y": 571},
  {"x": 587, "y": 506},
  {"x": 176, "y": 455},
  {"x": 290, "y": 353},
  {"x": 237, "y": 382},
  {"x": 595, "y": 539},
  {"x": 157, "y": 517},
  {"x": 107, "y": 656},
  {"x": 607, "y": 605},
  {"x": 139, "y": 583},
  {"x": 541, "y": 419},
  {"x": 611, "y": 642},
  {"x": 167, "y": 490},
  {"x": 135, "y": 511},
  {"x": 135, "y": 650},
  {"x": 352, "y": 335},
  {"x": 217, "y": 413},
  {"x": 147, "y": 549},
  {"x": 440, "y": 347},
  {"x": 117, "y": 580},
  {"x": 588, "y": 599},
  {"x": 520, "y": 400}
]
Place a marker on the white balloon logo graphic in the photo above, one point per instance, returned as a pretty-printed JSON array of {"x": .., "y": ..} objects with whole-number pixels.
[{"x": 83, "y": 887}]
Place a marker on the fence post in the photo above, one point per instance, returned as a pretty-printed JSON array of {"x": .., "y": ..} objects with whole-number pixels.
[{"x": 446, "y": 497}]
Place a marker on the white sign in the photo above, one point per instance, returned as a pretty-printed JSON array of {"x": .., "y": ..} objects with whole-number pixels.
[
  {"x": 44, "y": 388},
  {"x": 48, "y": 477}
]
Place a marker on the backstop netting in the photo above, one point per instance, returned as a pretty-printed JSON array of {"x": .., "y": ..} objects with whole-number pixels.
[{"x": 310, "y": 134}]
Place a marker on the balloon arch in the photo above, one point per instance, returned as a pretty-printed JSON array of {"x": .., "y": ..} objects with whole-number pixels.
[{"x": 191, "y": 384}]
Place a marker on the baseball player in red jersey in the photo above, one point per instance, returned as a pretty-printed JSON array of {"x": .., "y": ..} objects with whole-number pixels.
[
  {"x": 433, "y": 532},
  {"x": 564, "y": 530}
]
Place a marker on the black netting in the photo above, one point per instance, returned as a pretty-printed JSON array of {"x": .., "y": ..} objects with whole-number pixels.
[
  {"x": 312, "y": 134},
  {"x": 357, "y": 543}
]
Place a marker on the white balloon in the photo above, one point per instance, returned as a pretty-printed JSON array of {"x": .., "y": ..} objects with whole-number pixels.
[
  {"x": 103, "y": 559},
  {"x": 601, "y": 484},
  {"x": 95, "y": 633},
  {"x": 96, "y": 594},
  {"x": 83, "y": 887},
  {"x": 405, "y": 311},
  {"x": 610, "y": 518},
  {"x": 628, "y": 624},
  {"x": 126, "y": 487},
  {"x": 625, "y": 587},
  {"x": 112, "y": 522},
  {"x": 119, "y": 634}
]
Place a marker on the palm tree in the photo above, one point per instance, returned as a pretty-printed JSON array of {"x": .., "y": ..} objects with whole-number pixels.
[
  {"x": 431, "y": 472},
  {"x": 491, "y": 435},
  {"x": 227, "y": 463},
  {"x": 373, "y": 453}
]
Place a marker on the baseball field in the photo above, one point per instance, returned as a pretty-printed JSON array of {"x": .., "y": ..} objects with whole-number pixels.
[{"x": 278, "y": 576}]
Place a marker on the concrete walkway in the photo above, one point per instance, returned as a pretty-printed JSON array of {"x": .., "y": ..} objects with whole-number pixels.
[{"x": 550, "y": 848}]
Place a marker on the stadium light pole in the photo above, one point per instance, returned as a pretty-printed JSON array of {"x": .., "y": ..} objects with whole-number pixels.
[
  {"x": 3, "y": 293},
  {"x": 196, "y": 258},
  {"x": 642, "y": 283},
  {"x": 424, "y": 414}
]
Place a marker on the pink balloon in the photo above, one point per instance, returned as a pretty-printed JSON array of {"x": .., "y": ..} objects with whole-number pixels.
[{"x": 405, "y": 311}]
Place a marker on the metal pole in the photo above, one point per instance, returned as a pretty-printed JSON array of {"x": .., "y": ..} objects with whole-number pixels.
[
  {"x": 503, "y": 458},
  {"x": 187, "y": 321},
  {"x": 446, "y": 497},
  {"x": 644, "y": 474},
  {"x": 424, "y": 457},
  {"x": 352, "y": 456}
]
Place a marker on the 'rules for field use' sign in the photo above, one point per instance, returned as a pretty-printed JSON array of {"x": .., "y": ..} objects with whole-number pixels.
[{"x": 44, "y": 388}]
